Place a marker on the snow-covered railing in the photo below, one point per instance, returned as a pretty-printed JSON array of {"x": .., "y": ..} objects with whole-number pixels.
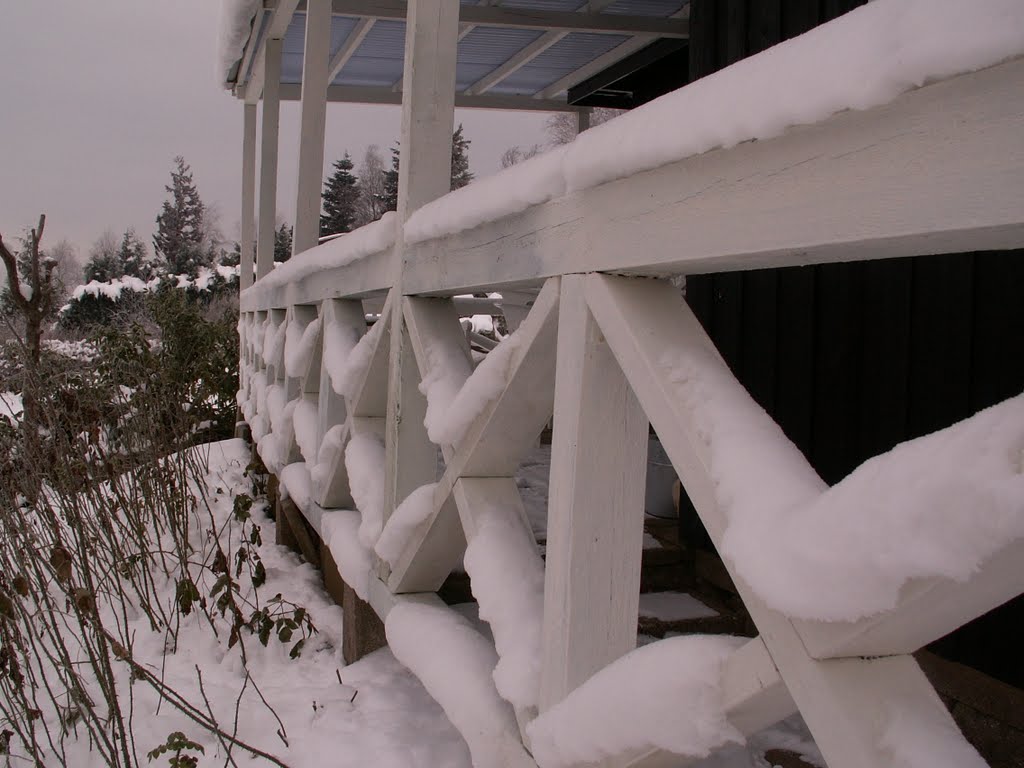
[{"x": 351, "y": 416}]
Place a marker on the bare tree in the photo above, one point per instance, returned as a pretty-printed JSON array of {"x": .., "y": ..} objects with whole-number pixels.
[
  {"x": 517, "y": 154},
  {"x": 562, "y": 126},
  {"x": 370, "y": 205},
  {"x": 32, "y": 286}
]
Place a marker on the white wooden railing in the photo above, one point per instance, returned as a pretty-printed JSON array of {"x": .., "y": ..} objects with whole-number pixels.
[{"x": 938, "y": 170}]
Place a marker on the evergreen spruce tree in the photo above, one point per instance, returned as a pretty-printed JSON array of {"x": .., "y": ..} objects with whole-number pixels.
[
  {"x": 179, "y": 239},
  {"x": 340, "y": 199},
  {"x": 132, "y": 256},
  {"x": 104, "y": 262},
  {"x": 390, "y": 196},
  {"x": 461, "y": 175},
  {"x": 283, "y": 243}
]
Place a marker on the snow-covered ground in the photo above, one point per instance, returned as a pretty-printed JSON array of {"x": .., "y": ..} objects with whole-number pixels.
[
  {"x": 374, "y": 713},
  {"x": 319, "y": 712}
]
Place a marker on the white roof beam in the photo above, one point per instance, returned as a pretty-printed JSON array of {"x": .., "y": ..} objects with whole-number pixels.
[
  {"x": 349, "y": 47},
  {"x": 528, "y": 54},
  {"x": 279, "y": 21},
  {"x": 357, "y": 94},
  {"x": 520, "y": 18}
]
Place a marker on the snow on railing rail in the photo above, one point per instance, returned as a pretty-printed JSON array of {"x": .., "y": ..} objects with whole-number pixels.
[{"x": 863, "y": 59}]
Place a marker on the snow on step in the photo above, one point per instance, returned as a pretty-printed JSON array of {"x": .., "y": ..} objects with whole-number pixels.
[
  {"x": 454, "y": 662},
  {"x": 673, "y": 606},
  {"x": 665, "y": 695}
]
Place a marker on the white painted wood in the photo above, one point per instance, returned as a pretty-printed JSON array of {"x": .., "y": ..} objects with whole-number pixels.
[
  {"x": 843, "y": 701},
  {"x": 438, "y": 341},
  {"x": 368, "y": 94},
  {"x": 477, "y": 499},
  {"x": 275, "y": 364},
  {"x": 859, "y": 185},
  {"x": 248, "y": 225},
  {"x": 514, "y": 64},
  {"x": 280, "y": 19},
  {"x": 493, "y": 447},
  {"x": 425, "y": 172},
  {"x": 595, "y": 507},
  {"x": 247, "y": 57},
  {"x": 349, "y": 47},
  {"x": 348, "y": 315},
  {"x": 428, "y": 102},
  {"x": 302, "y": 316},
  {"x": 927, "y": 610},
  {"x": 382, "y": 600},
  {"x": 523, "y": 18},
  {"x": 411, "y": 457},
  {"x": 268, "y": 159},
  {"x": 464, "y": 29},
  {"x": 313, "y": 121},
  {"x": 372, "y": 397}
]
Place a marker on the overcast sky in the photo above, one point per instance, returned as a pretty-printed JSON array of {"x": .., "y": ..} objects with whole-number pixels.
[{"x": 98, "y": 96}]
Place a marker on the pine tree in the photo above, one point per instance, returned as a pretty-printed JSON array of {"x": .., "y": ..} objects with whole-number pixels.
[
  {"x": 340, "y": 199},
  {"x": 390, "y": 196},
  {"x": 180, "y": 235},
  {"x": 460, "y": 174},
  {"x": 283, "y": 243}
]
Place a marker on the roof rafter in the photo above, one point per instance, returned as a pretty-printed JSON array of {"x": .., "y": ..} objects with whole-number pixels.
[
  {"x": 521, "y": 18},
  {"x": 529, "y": 53},
  {"x": 605, "y": 60},
  {"x": 349, "y": 47}
]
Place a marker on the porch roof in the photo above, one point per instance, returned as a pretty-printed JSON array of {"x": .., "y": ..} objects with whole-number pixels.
[{"x": 521, "y": 54}]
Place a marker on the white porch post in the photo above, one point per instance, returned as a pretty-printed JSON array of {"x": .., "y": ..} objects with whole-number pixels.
[
  {"x": 268, "y": 158},
  {"x": 595, "y": 506},
  {"x": 314, "y": 117},
  {"x": 428, "y": 107},
  {"x": 248, "y": 193}
]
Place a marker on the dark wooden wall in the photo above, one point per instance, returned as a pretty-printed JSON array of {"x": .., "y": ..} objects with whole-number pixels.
[{"x": 851, "y": 359}]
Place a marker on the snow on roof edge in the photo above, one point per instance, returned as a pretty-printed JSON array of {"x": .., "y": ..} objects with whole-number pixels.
[{"x": 236, "y": 18}]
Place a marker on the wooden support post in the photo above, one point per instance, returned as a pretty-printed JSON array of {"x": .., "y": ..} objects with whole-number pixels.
[
  {"x": 313, "y": 122},
  {"x": 428, "y": 115},
  {"x": 248, "y": 194},
  {"x": 647, "y": 322},
  {"x": 595, "y": 506},
  {"x": 268, "y": 158}
]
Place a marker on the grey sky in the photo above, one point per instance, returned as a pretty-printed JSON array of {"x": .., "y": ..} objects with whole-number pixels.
[{"x": 98, "y": 96}]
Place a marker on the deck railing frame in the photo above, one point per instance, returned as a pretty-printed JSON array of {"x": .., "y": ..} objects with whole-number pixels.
[{"x": 939, "y": 170}]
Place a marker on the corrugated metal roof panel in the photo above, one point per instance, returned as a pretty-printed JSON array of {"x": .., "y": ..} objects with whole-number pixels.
[
  {"x": 341, "y": 28},
  {"x": 658, "y": 8},
  {"x": 378, "y": 60},
  {"x": 543, "y": 5},
  {"x": 486, "y": 48},
  {"x": 565, "y": 56}
]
